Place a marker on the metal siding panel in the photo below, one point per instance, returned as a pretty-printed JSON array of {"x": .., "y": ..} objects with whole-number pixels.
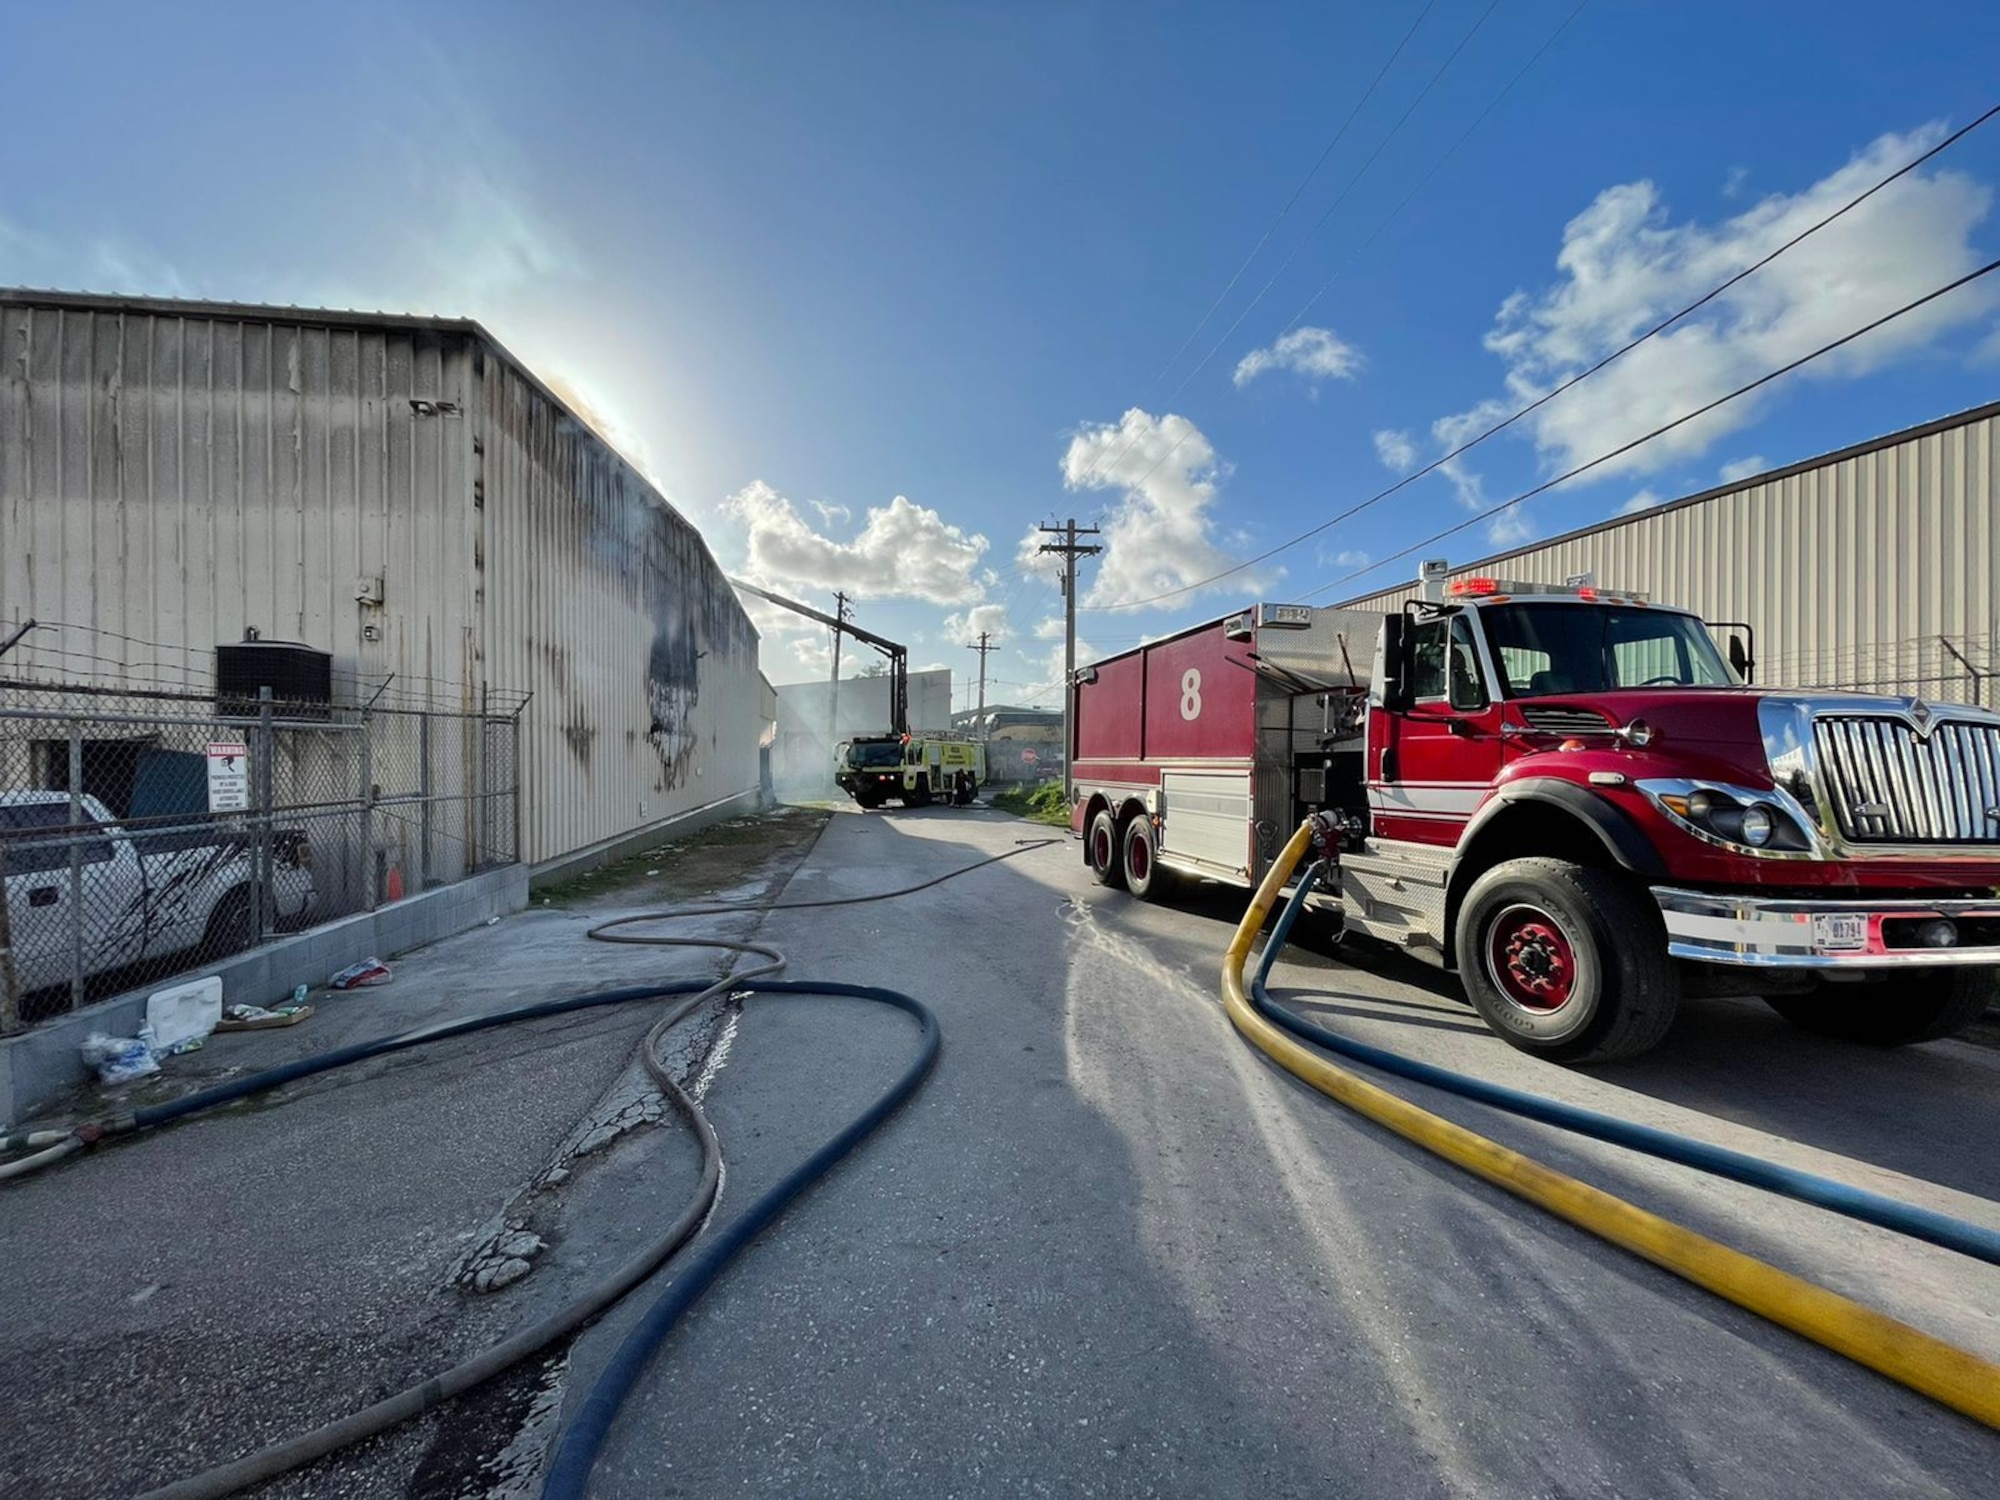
[
  {"x": 1850, "y": 571},
  {"x": 615, "y": 609}
]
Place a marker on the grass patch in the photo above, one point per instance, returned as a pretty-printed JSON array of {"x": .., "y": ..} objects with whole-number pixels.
[
  {"x": 1040, "y": 804},
  {"x": 692, "y": 865}
]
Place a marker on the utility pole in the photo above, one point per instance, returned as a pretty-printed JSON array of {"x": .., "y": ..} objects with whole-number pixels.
[
  {"x": 840, "y": 612},
  {"x": 984, "y": 650},
  {"x": 1069, "y": 549}
]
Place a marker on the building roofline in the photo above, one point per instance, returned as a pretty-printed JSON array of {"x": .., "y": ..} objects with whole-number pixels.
[
  {"x": 323, "y": 317},
  {"x": 182, "y": 307},
  {"x": 1858, "y": 450},
  {"x": 320, "y": 317}
]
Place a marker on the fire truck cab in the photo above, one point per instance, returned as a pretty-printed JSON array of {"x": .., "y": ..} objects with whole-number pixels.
[{"x": 1573, "y": 798}]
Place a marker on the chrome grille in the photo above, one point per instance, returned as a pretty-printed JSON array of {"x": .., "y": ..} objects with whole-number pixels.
[
  {"x": 1558, "y": 720},
  {"x": 1888, "y": 785}
]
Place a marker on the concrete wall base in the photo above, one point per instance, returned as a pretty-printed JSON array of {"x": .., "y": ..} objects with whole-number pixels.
[
  {"x": 610, "y": 851},
  {"x": 40, "y": 1066}
]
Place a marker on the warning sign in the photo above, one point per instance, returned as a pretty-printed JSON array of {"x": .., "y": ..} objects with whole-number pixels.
[{"x": 228, "y": 778}]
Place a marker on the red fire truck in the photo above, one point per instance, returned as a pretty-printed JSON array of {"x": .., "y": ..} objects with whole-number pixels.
[{"x": 1573, "y": 798}]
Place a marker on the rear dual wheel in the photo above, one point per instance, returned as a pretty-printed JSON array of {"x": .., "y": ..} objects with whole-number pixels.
[
  {"x": 1101, "y": 851},
  {"x": 1143, "y": 876}
]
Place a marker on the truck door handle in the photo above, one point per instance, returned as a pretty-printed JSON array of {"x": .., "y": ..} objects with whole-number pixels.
[{"x": 44, "y": 895}]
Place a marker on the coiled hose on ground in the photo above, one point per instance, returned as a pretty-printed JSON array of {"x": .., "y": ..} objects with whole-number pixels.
[
  {"x": 570, "y": 1470},
  {"x": 1955, "y": 1377}
]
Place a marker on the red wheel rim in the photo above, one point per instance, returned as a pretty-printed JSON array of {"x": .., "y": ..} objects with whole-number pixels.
[
  {"x": 1141, "y": 858},
  {"x": 1530, "y": 959},
  {"x": 1100, "y": 849}
]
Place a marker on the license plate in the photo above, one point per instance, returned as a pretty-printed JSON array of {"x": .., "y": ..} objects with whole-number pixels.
[{"x": 1840, "y": 932}]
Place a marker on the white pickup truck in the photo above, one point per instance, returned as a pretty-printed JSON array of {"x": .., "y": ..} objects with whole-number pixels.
[{"x": 149, "y": 894}]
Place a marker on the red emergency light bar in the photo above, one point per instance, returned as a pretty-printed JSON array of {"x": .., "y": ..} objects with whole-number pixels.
[{"x": 1503, "y": 588}]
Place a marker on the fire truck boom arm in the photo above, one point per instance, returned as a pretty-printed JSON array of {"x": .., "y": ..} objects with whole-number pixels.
[{"x": 896, "y": 652}]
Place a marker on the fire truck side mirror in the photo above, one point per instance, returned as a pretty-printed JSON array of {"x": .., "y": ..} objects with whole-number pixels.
[
  {"x": 1739, "y": 657},
  {"x": 1398, "y": 663}
]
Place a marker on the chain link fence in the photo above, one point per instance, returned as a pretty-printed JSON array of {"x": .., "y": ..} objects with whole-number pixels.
[
  {"x": 1959, "y": 669},
  {"x": 149, "y": 831}
]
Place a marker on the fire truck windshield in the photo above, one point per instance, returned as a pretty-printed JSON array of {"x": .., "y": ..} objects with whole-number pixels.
[
  {"x": 1542, "y": 649},
  {"x": 873, "y": 754}
]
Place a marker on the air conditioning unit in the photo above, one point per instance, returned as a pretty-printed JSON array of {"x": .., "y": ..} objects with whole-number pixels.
[{"x": 299, "y": 677}]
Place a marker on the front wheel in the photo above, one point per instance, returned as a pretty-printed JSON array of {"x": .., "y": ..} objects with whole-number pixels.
[
  {"x": 918, "y": 794},
  {"x": 1100, "y": 850},
  {"x": 1565, "y": 961},
  {"x": 1917, "y": 1006}
]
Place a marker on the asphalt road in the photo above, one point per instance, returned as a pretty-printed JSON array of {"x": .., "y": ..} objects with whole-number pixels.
[{"x": 1108, "y": 1250}]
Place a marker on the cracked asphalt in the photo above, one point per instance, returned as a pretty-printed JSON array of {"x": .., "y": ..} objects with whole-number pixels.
[{"x": 1107, "y": 1250}]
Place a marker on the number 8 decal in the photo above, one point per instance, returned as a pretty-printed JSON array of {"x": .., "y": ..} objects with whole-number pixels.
[{"x": 1191, "y": 693}]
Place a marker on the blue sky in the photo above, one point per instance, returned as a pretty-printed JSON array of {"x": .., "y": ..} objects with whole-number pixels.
[{"x": 872, "y": 290}]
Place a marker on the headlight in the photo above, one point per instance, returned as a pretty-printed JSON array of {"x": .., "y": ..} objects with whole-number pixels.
[{"x": 1732, "y": 815}]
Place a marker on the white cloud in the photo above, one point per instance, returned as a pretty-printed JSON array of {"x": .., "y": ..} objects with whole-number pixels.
[
  {"x": 1160, "y": 534},
  {"x": 904, "y": 551},
  {"x": 814, "y": 652},
  {"x": 1452, "y": 432},
  {"x": 1743, "y": 468},
  {"x": 1734, "y": 183},
  {"x": 1328, "y": 553},
  {"x": 1510, "y": 528},
  {"x": 964, "y": 629},
  {"x": 1397, "y": 450},
  {"x": 1316, "y": 353},
  {"x": 1049, "y": 669},
  {"x": 1032, "y": 560},
  {"x": 1625, "y": 264},
  {"x": 832, "y": 515},
  {"x": 1644, "y": 500},
  {"x": 1050, "y": 629}
]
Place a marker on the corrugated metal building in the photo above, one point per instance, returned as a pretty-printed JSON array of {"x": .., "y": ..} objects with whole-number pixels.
[
  {"x": 398, "y": 491},
  {"x": 1876, "y": 567}
]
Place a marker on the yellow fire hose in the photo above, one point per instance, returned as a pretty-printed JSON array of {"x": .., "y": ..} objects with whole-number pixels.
[{"x": 1957, "y": 1378}]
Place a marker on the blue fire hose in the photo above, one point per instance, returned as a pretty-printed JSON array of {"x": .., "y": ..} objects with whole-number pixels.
[{"x": 1855, "y": 1203}]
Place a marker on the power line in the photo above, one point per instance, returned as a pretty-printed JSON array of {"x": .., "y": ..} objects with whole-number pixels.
[
  {"x": 1501, "y": 426},
  {"x": 1258, "y": 249},
  {"x": 1699, "y": 411},
  {"x": 1297, "y": 192},
  {"x": 1478, "y": 120},
  {"x": 1436, "y": 166},
  {"x": 1306, "y": 239}
]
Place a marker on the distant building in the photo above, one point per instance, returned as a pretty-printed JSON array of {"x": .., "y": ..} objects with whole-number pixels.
[{"x": 1022, "y": 744}]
